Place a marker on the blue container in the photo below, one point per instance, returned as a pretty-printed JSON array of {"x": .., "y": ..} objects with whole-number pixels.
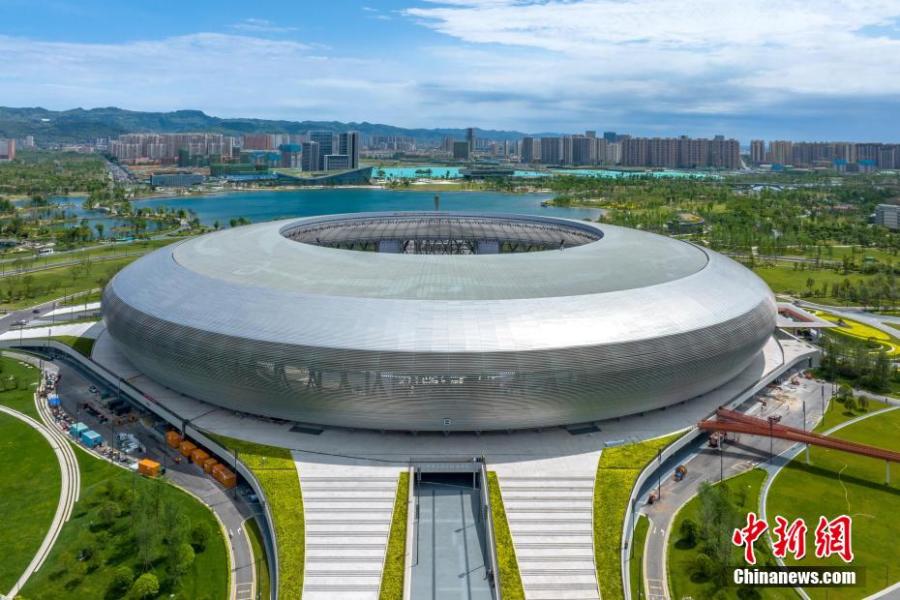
[
  {"x": 91, "y": 438},
  {"x": 77, "y": 429}
]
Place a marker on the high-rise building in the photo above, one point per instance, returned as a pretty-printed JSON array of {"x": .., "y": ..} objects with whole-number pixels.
[
  {"x": 348, "y": 143},
  {"x": 568, "y": 153},
  {"x": 258, "y": 141},
  {"x": 325, "y": 139},
  {"x": 590, "y": 133},
  {"x": 462, "y": 150},
  {"x": 757, "y": 151},
  {"x": 551, "y": 150},
  {"x": 7, "y": 149},
  {"x": 526, "y": 150},
  {"x": 781, "y": 152},
  {"x": 470, "y": 138},
  {"x": 309, "y": 156},
  {"x": 584, "y": 150},
  {"x": 290, "y": 155},
  {"x": 610, "y": 136},
  {"x": 337, "y": 162}
]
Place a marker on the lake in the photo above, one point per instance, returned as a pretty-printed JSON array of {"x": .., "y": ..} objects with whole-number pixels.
[{"x": 259, "y": 206}]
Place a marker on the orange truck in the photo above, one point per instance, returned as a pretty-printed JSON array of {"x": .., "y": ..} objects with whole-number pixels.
[
  {"x": 186, "y": 448},
  {"x": 148, "y": 467},
  {"x": 173, "y": 439},
  {"x": 224, "y": 475}
]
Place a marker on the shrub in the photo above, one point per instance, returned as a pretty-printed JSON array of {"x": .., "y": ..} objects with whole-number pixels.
[
  {"x": 200, "y": 535},
  {"x": 120, "y": 581},
  {"x": 145, "y": 586}
]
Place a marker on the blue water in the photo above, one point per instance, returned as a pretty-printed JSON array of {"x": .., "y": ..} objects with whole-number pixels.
[
  {"x": 71, "y": 207},
  {"x": 261, "y": 206}
]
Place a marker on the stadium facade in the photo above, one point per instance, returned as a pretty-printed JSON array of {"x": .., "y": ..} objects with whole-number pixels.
[{"x": 438, "y": 321}]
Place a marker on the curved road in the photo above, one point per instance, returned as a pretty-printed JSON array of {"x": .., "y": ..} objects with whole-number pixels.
[
  {"x": 70, "y": 489},
  {"x": 704, "y": 464}
]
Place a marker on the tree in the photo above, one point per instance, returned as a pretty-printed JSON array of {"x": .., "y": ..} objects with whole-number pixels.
[
  {"x": 688, "y": 532},
  {"x": 200, "y": 535},
  {"x": 120, "y": 581},
  {"x": 181, "y": 560},
  {"x": 850, "y": 403},
  {"x": 99, "y": 227},
  {"x": 145, "y": 586},
  {"x": 109, "y": 512}
]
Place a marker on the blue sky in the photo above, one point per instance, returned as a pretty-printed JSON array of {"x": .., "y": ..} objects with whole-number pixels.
[{"x": 791, "y": 69}]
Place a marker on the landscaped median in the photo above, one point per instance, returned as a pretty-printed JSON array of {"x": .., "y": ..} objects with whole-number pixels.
[
  {"x": 395, "y": 560},
  {"x": 276, "y": 472},
  {"x": 510, "y": 579},
  {"x": 617, "y": 472}
]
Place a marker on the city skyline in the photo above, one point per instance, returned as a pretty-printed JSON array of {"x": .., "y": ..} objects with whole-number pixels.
[{"x": 654, "y": 69}]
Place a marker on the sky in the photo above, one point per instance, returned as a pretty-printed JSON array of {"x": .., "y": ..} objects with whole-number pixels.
[{"x": 786, "y": 69}]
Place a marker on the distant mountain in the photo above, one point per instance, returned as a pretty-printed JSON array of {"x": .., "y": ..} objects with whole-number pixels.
[{"x": 80, "y": 125}]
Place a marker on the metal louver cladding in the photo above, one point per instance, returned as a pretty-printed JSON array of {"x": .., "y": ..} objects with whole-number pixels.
[{"x": 254, "y": 320}]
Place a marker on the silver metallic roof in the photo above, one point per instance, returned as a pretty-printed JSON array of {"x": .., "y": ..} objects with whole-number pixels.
[
  {"x": 260, "y": 255},
  {"x": 249, "y": 319}
]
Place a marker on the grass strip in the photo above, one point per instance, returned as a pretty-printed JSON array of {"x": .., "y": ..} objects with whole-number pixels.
[
  {"x": 510, "y": 579},
  {"x": 395, "y": 560},
  {"x": 276, "y": 472},
  {"x": 617, "y": 472}
]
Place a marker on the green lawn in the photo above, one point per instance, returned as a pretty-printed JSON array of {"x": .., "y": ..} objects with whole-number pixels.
[
  {"x": 785, "y": 279},
  {"x": 261, "y": 558},
  {"x": 510, "y": 579},
  {"x": 20, "y": 291},
  {"x": 395, "y": 558},
  {"x": 277, "y": 474},
  {"x": 745, "y": 489},
  {"x": 18, "y": 381},
  {"x": 84, "y": 345},
  {"x": 617, "y": 472},
  {"x": 837, "y": 413},
  {"x": 68, "y": 574},
  {"x": 13, "y": 262},
  {"x": 839, "y": 483},
  {"x": 636, "y": 566},
  {"x": 30, "y": 484}
]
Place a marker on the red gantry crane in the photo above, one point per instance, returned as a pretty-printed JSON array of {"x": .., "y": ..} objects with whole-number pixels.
[{"x": 736, "y": 422}]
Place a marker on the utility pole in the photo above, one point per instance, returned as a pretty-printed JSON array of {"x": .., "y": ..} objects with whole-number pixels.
[
  {"x": 721, "y": 459},
  {"x": 659, "y": 474}
]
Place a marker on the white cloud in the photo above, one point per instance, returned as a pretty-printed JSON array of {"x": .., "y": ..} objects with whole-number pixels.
[
  {"x": 761, "y": 46},
  {"x": 253, "y": 25}
]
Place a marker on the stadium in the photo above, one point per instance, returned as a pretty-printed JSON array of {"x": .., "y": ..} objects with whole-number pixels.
[{"x": 434, "y": 321}]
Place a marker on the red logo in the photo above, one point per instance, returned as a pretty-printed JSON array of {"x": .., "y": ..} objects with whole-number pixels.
[
  {"x": 832, "y": 537},
  {"x": 745, "y": 536}
]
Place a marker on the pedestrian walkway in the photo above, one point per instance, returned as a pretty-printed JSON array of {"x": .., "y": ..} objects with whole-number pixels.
[
  {"x": 348, "y": 510},
  {"x": 551, "y": 519}
]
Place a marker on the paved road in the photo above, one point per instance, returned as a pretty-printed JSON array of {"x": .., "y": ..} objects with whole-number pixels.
[
  {"x": 742, "y": 453},
  {"x": 70, "y": 489},
  {"x": 230, "y": 506}
]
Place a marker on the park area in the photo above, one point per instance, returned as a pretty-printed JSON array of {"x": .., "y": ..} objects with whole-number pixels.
[
  {"x": 702, "y": 529},
  {"x": 131, "y": 536},
  {"x": 837, "y": 483},
  {"x": 29, "y": 493}
]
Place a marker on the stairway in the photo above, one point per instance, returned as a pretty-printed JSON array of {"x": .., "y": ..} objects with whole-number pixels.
[
  {"x": 550, "y": 519},
  {"x": 348, "y": 512}
]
